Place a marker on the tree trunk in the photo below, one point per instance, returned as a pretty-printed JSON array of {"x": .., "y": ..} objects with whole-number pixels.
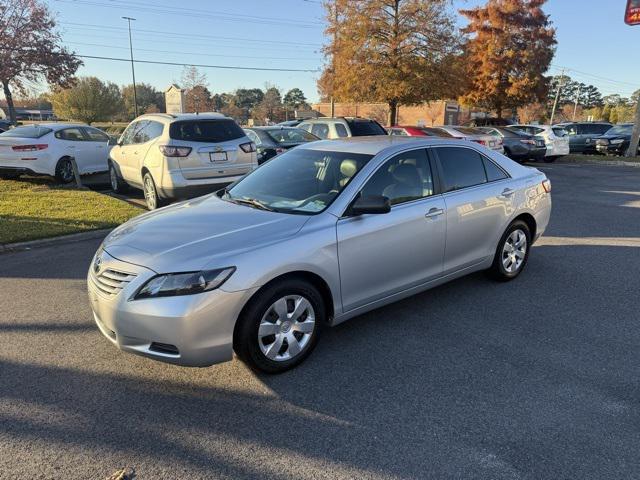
[
  {"x": 499, "y": 110},
  {"x": 393, "y": 110},
  {"x": 9, "y": 98}
]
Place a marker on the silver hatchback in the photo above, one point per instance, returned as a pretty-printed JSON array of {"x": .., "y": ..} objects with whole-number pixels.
[{"x": 315, "y": 236}]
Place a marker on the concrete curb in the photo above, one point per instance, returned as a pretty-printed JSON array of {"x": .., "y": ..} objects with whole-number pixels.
[
  {"x": 610, "y": 163},
  {"x": 47, "y": 242}
]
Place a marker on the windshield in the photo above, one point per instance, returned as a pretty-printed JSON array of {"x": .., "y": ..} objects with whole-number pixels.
[
  {"x": 468, "y": 131},
  {"x": 291, "y": 135},
  {"x": 28, "y": 131},
  {"x": 300, "y": 181},
  {"x": 620, "y": 130},
  {"x": 436, "y": 131}
]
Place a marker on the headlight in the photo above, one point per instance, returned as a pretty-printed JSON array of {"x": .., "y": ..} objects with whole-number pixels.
[
  {"x": 188, "y": 283},
  {"x": 617, "y": 141}
]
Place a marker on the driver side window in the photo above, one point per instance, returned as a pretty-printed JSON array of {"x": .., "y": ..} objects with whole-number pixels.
[{"x": 403, "y": 178}]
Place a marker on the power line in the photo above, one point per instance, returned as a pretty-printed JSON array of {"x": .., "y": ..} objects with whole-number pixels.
[
  {"x": 187, "y": 53},
  {"x": 191, "y": 36},
  {"x": 200, "y": 65},
  {"x": 617, "y": 82},
  {"x": 186, "y": 12}
]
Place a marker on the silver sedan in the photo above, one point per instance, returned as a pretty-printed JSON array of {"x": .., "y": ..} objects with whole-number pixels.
[{"x": 315, "y": 236}]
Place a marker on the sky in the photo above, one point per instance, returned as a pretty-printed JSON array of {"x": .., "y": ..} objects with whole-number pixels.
[{"x": 594, "y": 44}]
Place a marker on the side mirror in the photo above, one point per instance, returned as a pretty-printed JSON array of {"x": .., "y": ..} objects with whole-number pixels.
[{"x": 370, "y": 205}]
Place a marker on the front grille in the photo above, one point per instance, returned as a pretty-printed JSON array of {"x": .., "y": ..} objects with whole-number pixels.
[{"x": 110, "y": 281}]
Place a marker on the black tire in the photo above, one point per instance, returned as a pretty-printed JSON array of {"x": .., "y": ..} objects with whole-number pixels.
[
  {"x": 246, "y": 342},
  {"x": 9, "y": 176},
  {"x": 550, "y": 159},
  {"x": 64, "y": 170},
  {"x": 118, "y": 185},
  {"x": 151, "y": 196},
  {"x": 498, "y": 270}
]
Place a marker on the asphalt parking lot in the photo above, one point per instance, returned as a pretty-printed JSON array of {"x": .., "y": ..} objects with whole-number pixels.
[{"x": 533, "y": 379}]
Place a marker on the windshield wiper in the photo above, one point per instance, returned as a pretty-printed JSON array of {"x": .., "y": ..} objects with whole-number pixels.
[{"x": 252, "y": 202}]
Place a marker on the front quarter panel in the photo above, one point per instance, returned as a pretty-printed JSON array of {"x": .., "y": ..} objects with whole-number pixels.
[{"x": 313, "y": 249}]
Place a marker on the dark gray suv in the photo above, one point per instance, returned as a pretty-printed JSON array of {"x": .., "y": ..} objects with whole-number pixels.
[{"x": 582, "y": 135}]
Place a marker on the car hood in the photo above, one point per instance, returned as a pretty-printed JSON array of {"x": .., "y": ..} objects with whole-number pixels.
[{"x": 192, "y": 235}]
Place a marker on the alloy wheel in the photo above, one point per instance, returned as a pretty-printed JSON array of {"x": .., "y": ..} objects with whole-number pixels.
[
  {"x": 514, "y": 251},
  {"x": 114, "y": 178},
  {"x": 66, "y": 171},
  {"x": 286, "y": 328},
  {"x": 150, "y": 193}
]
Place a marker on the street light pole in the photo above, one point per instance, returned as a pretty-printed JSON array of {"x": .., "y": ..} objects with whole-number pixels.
[{"x": 133, "y": 71}]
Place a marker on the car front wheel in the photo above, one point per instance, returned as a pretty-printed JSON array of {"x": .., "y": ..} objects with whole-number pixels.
[
  {"x": 512, "y": 252},
  {"x": 279, "y": 327}
]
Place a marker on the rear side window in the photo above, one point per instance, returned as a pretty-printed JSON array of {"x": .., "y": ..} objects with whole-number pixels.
[
  {"x": 320, "y": 130},
  {"x": 153, "y": 130},
  {"x": 461, "y": 167},
  {"x": 559, "y": 132},
  {"x": 205, "y": 130},
  {"x": 341, "y": 130},
  {"x": 29, "y": 131},
  {"x": 70, "y": 134},
  {"x": 494, "y": 172},
  {"x": 362, "y": 128}
]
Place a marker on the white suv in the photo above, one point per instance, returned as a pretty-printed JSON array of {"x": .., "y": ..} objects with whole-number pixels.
[{"x": 180, "y": 156}]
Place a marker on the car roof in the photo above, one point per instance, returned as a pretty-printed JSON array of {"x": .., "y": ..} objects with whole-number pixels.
[
  {"x": 337, "y": 119},
  {"x": 375, "y": 144},
  {"x": 183, "y": 116},
  {"x": 56, "y": 125}
]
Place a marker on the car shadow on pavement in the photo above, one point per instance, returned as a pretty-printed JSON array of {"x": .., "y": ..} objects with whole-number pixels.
[{"x": 473, "y": 376}]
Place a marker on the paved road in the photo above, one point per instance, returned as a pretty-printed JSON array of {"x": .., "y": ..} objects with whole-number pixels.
[{"x": 533, "y": 379}]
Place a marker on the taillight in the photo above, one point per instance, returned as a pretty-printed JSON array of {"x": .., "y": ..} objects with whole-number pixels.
[
  {"x": 481, "y": 142},
  {"x": 29, "y": 148},
  {"x": 170, "y": 151},
  {"x": 528, "y": 141},
  {"x": 546, "y": 184},
  {"x": 280, "y": 150},
  {"x": 248, "y": 147}
]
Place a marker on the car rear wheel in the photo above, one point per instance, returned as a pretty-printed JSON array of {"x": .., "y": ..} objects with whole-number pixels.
[
  {"x": 118, "y": 185},
  {"x": 512, "y": 252},
  {"x": 64, "y": 170},
  {"x": 151, "y": 197},
  {"x": 550, "y": 159},
  {"x": 279, "y": 327}
]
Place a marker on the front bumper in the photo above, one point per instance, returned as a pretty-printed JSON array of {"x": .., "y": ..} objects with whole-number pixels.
[
  {"x": 618, "y": 149},
  {"x": 199, "y": 327}
]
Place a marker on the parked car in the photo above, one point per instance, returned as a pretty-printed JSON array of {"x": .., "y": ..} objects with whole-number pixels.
[
  {"x": 406, "y": 131},
  {"x": 616, "y": 140},
  {"x": 270, "y": 141},
  {"x": 5, "y": 125},
  {"x": 473, "y": 135},
  {"x": 47, "y": 149},
  {"x": 486, "y": 122},
  {"x": 320, "y": 234},
  {"x": 555, "y": 138},
  {"x": 582, "y": 135},
  {"x": 339, "y": 127},
  {"x": 291, "y": 123},
  {"x": 518, "y": 146},
  {"x": 180, "y": 156}
]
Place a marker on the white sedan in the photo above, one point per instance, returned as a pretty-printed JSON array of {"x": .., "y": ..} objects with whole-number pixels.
[
  {"x": 555, "y": 138},
  {"x": 47, "y": 149}
]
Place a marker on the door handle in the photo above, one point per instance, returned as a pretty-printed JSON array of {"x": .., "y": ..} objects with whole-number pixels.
[
  {"x": 434, "y": 212},
  {"x": 507, "y": 192}
]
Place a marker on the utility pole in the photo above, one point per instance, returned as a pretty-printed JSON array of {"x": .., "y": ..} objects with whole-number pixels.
[
  {"x": 133, "y": 70},
  {"x": 575, "y": 107},
  {"x": 635, "y": 134},
  {"x": 555, "y": 102},
  {"x": 333, "y": 59}
]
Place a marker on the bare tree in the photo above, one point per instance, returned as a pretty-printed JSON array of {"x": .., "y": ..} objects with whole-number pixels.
[{"x": 31, "y": 50}]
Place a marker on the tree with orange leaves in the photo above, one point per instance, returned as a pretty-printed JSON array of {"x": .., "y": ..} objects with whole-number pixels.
[{"x": 511, "y": 46}]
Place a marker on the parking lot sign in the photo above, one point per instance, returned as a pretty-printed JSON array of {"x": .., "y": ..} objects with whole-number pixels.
[{"x": 632, "y": 13}]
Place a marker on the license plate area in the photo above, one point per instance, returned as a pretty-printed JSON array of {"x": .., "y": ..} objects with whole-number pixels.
[
  {"x": 218, "y": 157},
  {"x": 492, "y": 144}
]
